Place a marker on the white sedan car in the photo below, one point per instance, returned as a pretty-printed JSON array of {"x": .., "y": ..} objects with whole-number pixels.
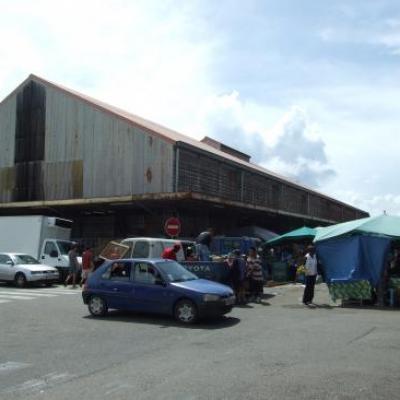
[{"x": 23, "y": 268}]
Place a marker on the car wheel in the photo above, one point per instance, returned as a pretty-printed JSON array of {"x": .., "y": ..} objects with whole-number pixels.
[
  {"x": 186, "y": 312},
  {"x": 97, "y": 306},
  {"x": 20, "y": 280}
]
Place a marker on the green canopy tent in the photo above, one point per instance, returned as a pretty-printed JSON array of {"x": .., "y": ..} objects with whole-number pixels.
[
  {"x": 298, "y": 234},
  {"x": 385, "y": 225}
]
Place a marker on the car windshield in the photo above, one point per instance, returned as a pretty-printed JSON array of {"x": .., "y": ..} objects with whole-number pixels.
[
  {"x": 174, "y": 272},
  {"x": 25, "y": 259},
  {"x": 64, "y": 246}
]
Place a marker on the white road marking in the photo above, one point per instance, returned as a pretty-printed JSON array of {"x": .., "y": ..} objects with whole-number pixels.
[
  {"x": 44, "y": 292},
  {"x": 11, "y": 366},
  {"x": 118, "y": 388},
  {"x": 65, "y": 291},
  {"x": 23, "y": 293},
  {"x": 12, "y": 297},
  {"x": 40, "y": 383},
  {"x": 10, "y": 294}
]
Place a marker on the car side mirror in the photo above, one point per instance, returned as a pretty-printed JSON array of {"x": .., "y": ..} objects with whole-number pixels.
[
  {"x": 54, "y": 254},
  {"x": 9, "y": 262}
]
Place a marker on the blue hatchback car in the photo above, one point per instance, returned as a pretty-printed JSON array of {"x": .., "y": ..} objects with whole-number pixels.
[{"x": 155, "y": 286}]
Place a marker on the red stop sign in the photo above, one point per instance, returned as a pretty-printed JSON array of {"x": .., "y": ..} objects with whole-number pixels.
[{"x": 172, "y": 227}]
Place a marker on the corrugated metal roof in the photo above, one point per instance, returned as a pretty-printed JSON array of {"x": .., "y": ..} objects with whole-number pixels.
[{"x": 169, "y": 134}]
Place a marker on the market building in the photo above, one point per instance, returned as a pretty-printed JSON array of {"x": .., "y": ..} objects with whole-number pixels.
[{"x": 117, "y": 175}]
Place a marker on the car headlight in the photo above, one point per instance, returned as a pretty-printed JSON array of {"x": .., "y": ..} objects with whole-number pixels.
[{"x": 211, "y": 297}]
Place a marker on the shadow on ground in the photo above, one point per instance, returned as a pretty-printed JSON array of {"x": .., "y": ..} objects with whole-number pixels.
[
  {"x": 317, "y": 306},
  {"x": 166, "y": 321},
  {"x": 267, "y": 296}
]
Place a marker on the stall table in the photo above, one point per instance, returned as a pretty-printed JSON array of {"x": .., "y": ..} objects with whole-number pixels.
[{"x": 346, "y": 290}]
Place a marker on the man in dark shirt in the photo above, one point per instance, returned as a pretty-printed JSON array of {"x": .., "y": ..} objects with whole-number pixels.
[{"x": 203, "y": 244}]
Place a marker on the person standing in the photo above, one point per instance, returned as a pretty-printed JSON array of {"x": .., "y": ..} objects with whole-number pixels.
[
  {"x": 310, "y": 276},
  {"x": 73, "y": 266},
  {"x": 228, "y": 264},
  {"x": 190, "y": 256},
  {"x": 255, "y": 274},
  {"x": 203, "y": 244},
  {"x": 87, "y": 264},
  {"x": 170, "y": 252},
  {"x": 238, "y": 275}
]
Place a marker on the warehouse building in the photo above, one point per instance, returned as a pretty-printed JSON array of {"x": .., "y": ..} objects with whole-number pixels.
[{"x": 116, "y": 174}]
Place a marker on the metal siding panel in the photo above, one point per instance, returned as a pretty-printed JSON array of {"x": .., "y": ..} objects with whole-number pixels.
[
  {"x": 126, "y": 140},
  {"x": 139, "y": 158},
  {"x": 54, "y": 119},
  {"x": 99, "y": 166},
  {"x": 167, "y": 167},
  {"x": 63, "y": 133},
  {"x": 7, "y": 131},
  {"x": 87, "y": 126},
  {"x": 72, "y": 133},
  {"x": 7, "y": 183},
  {"x": 115, "y": 155},
  {"x": 7, "y": 141},
  {"x": 64, "y": 180}
]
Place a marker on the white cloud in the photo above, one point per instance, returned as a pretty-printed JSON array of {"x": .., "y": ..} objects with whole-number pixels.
[
  {"x": 384, "y": 33},
  {"x": 290, "y": 145},
  {"x": 376, "y": 205}
]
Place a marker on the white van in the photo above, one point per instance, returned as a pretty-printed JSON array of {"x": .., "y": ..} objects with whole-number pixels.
[{"x": 144, "y": 247}]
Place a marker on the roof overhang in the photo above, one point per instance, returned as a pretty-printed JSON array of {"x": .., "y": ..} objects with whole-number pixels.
[{"x": 157, "y": 199}]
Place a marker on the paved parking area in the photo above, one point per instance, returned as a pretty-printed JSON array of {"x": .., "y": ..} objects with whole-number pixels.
[{"x": 50, "y": 348}]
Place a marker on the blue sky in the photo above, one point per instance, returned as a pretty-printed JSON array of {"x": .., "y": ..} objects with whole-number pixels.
[{"x": 308, "y": 88}]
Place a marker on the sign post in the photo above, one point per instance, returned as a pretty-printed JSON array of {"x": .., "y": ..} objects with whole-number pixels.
[{"x": 172, "y": 227}]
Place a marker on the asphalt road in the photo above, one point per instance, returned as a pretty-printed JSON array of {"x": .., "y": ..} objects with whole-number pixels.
[{"x": 50, "y": 348}]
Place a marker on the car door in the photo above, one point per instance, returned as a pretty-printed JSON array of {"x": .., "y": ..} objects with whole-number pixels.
[
  {"x": 50, "y": 254},
  {"x": 150, "y": 293},
  {"x": 3, "y": 266},
  {"x": 117, "y": 287},
  {"x": 7, "y": 269}
]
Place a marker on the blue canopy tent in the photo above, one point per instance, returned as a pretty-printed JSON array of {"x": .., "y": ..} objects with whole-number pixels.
[
  {"x": 353, "y": 258},
  {"x": 356, "y": 251}
]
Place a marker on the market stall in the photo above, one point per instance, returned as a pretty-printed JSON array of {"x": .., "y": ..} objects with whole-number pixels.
[
  {"x": 287, "y": 254},
  {"x": 356, "y": 258}
]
